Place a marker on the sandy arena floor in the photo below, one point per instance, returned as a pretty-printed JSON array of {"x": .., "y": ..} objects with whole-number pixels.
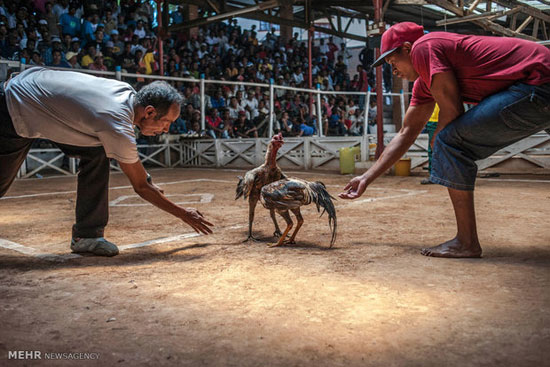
[{"x": 173, "y": 298}]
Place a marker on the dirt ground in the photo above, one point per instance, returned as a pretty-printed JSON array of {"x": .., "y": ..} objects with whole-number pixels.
[{"x": 171, "y": 298}]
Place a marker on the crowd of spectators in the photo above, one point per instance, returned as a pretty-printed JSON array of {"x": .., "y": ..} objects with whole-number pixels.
[{"x": 101, "y": 35}]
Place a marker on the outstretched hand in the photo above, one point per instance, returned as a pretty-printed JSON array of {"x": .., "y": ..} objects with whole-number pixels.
[
  {"x": 196, "y": 220},
  {"x": 354, "y": 189}
]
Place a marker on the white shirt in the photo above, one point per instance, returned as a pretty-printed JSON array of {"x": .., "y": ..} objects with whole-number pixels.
[{"x": 74, "y": 108}]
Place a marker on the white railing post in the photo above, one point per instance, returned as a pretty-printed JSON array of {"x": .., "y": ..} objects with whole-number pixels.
[
  {"x": 203, "y": 103},
  {"x": 319, "y": 111},
  {"x": 167, "y": 157},
  {"x": 367, "y": 107},
  {"x": 22, "y": 64},
  {"x": 271, "y": 108},
  {"x": 118, "y": 72}
]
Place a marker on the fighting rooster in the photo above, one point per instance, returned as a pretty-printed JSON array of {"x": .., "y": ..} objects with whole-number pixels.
[
  {"x": 253, "y": 181},
  {"x": 291, "y": 194}
]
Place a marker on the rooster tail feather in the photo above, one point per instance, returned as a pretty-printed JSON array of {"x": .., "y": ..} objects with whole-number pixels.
[
  {"x": 240, "y": 188},
  {"x": 323, "y": 199}
]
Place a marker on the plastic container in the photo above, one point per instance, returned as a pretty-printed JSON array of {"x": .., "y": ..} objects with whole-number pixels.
[
  {"x": 347, "y": 160},
  {"x": 403, "y": 167}
]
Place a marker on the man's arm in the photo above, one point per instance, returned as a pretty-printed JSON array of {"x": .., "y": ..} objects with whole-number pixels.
[
  {"x": 138, "y": 178},
  {"x": 446, "y": 93},
  {"x": 415, "y": 119}
]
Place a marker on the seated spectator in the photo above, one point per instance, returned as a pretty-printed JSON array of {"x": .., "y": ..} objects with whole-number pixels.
[
  {"x": 178, "y": 126},
  {"x": 250, "y": 104},
  {"x": 235, "y": 108},
  {"x": 72, "y": 59},
  {"x": 98, "y": 63},
  {"x": 244, "y": 128},
  {"x": 304, "y": 130},
  {"x": 217, "y": 100},
  {"x": 286, "y": 125},
  {"x": 36, "y": 59},
  {"x": 215, "y": 127},
  {"x": 336, "y": 126},
  {"x": 89, "y": 57},
  {"x": 57, "y": 60},
  {"x": 357, "y": 121},
  {"x": 227, "y": 122}
]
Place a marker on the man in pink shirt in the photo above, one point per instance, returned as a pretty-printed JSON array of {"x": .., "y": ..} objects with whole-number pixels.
[{"x": 509, "y": 81}]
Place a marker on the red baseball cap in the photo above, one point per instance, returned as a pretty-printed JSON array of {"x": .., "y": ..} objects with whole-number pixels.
[{"x": 396, "y": 36}]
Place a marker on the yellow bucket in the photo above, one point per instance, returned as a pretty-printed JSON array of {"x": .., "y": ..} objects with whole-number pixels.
[
  {"x": 403, "y": 167},
  {"x": 347, "y": 159}
]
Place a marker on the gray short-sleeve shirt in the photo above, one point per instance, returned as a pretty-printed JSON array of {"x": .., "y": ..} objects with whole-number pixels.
[{"x": 74, "y": 108}]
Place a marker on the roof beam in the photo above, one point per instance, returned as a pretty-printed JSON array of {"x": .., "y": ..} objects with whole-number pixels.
[
  {"x": 525, "y": 8},
  {"x": 483, "y": 23},
  {"x": 469, "y": 18},
  {"x": 241, "y": 12}
]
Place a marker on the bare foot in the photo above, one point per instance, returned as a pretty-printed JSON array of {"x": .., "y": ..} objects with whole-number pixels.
[{"x": 453, "y": 249}]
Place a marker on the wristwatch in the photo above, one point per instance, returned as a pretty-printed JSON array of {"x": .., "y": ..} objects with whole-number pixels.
[{"x": 149, "y": 178}]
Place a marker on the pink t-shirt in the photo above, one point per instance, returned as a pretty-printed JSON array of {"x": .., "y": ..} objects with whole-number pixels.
[{"x": 482, "y": 65}]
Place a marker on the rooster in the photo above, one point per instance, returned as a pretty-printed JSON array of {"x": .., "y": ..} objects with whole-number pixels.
[
  {"x": 291, "y": 194},
  {"x": 253, "y": 181}
]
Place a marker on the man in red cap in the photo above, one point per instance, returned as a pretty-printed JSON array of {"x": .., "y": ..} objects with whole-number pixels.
[{"x": 508, "y": 80}]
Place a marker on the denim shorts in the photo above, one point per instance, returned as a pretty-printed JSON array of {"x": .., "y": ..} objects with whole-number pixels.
[{"x": 498, "y": 121}]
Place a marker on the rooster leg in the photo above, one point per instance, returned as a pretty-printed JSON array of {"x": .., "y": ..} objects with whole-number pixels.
[
  {"x": 252, "y": 201},
  {"x": 289, "y": 224},
  {"x": 300, "y": 222},
  {"x": 277, "y": 232}
]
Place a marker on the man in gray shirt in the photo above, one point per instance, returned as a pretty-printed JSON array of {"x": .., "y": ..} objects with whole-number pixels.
[{"x": 92, "y": 119}]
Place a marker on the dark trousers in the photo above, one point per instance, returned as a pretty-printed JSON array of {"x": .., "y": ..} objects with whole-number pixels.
[{"x": 92, "y": 200}]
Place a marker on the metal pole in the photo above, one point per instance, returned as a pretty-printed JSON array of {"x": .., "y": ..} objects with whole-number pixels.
[
  {"x": 271, "y": 107},
  {"x": 118, "y": 73},
  {"x": 159, "y": 34},
  {"x": 379, "y": 91},
  {"x": 309, "y": 47},
  {"x": 22, "y": 64},
  {"x": 203, "y": 103},
  {"x": 367, "y": 105},
  {"x": 319, "y": 111},
  {"x": 310, "y": 85}
]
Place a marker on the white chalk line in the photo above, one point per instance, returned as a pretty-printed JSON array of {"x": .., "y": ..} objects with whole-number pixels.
[
  {"x": 113, "y": 188},
  {"x": 204, "y": 198},
  {"x": 63, "y": 257}
]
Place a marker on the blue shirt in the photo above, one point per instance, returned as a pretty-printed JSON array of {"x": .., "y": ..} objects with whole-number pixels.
[
  {"x": 70, "y": 25},
  {"x": 307, "y": 130}
]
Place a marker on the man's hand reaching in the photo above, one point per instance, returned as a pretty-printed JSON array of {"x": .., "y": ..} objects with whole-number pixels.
[
  {"x": 355, "y": 188},
  {"x": 196, "y": 220}
]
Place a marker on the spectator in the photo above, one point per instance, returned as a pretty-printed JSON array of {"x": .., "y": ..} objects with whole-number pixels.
[
  {"x": 336, "y": 126},
  {"x": 304, "y": 130},
  {"x": 51, "y": 19},
  {"x": 57, "y": 60},
  {"x": 89, "y": 57},
  {"x": 285, "y": 124},
  {"x": 70, "y": 24},
  {"x": 215, "y": 126},
  {"x": 235, "y": 108},
  {"x": 72, "y": 59},
  {"x": 98, "y": 63},
  {"x": 217, "y": 100},
  {"x": 244, "y": 128},
  {"x": 178, "y": 126}
]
